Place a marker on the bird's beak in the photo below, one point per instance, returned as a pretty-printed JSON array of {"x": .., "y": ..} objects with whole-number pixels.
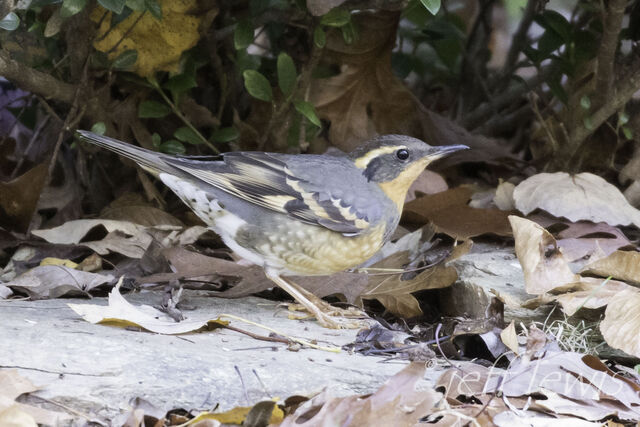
[{"x": 440, "y": 151}]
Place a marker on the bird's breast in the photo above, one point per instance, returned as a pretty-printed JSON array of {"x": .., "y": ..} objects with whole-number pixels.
[{"x": 302, "y": 249}]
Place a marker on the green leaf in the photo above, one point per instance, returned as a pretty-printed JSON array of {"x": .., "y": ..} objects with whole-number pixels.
[
  {"x": 71, "y": 7},
  {"x": 126, "y": 59},
  {"x": 287, "y": 74},
  {"x": 626, "y": 131},
  {"x": 181, "y": 83},
  {"x": 555, "y": 85},
  {"x": 533, "y": 54},
  {"x": 245, "y": 61},
  {"x": 154, "y": 8},
  {"x": 225, "y": 134},
  {"x": 306, "y": 109},
  {"x": 10, "y": 22},
  {"x": 336, "y": 17},
  {"x": 257, "y": 85},
  {"x": 585, "y": 102},
  {"x": 156, "y": 140},
  {"x": 243, "y": 35},
  {"x": 319, "y": 37},
  {"x": 186, "y": 134},
  {"x": 172, "y": 147},
  {"x": 293, "y": 133},
  {"x": 549, "y": 42},
  {"x": 117, "y": 18},
  {"x": 349, "y": 33},
  {"x": 152, "y": 110},
  {"x": 588, "y": 123},
  {"x": 100, "y": 128},
  {"x": 115, "y": 6},
  {"x": 553, "y": 20},
  {"x": 623, "y": 118},
  {"x": 432, "y": 6},
  {"x": 136, "y": 5}
]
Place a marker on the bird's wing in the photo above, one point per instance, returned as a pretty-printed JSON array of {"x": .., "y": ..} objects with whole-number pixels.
[{"x": 308, "y": 188}]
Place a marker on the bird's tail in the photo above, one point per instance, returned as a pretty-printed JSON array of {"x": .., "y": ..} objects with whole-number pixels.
[{"x": 147, "y": 159}]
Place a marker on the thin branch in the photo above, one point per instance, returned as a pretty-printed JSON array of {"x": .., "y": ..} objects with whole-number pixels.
[
  {"x": 35, "y": 81},
  {"x": 476, "y": 117},
  {"x": 519, "y": 39},
  {"x": 611, "y": 26},
  {"x": 621, "y": 94},
  {"x": 181, "y": 116}
]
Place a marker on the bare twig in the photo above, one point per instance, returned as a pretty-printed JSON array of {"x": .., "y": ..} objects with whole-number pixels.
[
  {"x": 611, "y": 26},
  {"x": 617, "y": 98},
  {"x": 34, "y": 137},
  {"x": 519, "y": 39},
  {"x": 35, "y": 81},
  {"x": 479, "y": 115},
  {"x": 181, "y": 116},
  {"x": 302, "y": 86}
]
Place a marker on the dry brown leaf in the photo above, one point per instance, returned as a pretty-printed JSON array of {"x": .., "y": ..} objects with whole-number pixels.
[
  {"x": 397, "y": 403},
  {"x": 428, "y": 182},
  {"x": 123, "y": 237},
  {"x": 589, "y": 292},
  {"x": 543, "y": 264},
  {"x": 503, "y": 198},
  {"x": 121, "y": 313},
  {"x": 91, "y": 263},
  {"x": 583, "y": 241},
  {"x": 589, "y": 410},
  {"x": 583, "y": 379},
  {"x": 584, "y": 196},
  {"x": 403, "y": 305},
  {"x": 12, "y": 413},
  {"x": 623, "y": 265},
  {"x": 55, "y": 281},
  {"x": 510, "y": 338},
  {"x": 19, "y": 197},
  {"x": 391, "y": 289},
  {"x": 131, "y": 207},
  {"x": 621, "y": 322},
  {"x": 366, "y": 98},
  {"x": 450, "y": 214}
]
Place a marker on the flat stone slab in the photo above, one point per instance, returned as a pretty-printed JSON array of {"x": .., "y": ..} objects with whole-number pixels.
[{"x": 98, "y": 369}]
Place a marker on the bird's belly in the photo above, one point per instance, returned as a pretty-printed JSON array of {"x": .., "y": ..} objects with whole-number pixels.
[{"x": 297, "y": 248}]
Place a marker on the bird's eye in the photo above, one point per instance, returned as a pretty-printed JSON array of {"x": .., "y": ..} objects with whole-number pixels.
[{"x": 402, "y": 154}]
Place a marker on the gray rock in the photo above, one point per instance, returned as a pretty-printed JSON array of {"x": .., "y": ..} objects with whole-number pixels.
[{"x": 97, "y": 369}]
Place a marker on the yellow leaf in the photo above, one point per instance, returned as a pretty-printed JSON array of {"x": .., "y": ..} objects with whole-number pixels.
[
  {"x": 237, "y": 416},
  {"x": 58, "y": 261},
  {"x": 159, "y": 43}
]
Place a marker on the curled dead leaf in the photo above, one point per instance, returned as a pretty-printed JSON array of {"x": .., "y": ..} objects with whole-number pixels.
[
  {"x": 450, "y": 214},
  {"x": 621, "y": 322},
  {"x": 584, "y": 196},
  {"x": 623, "y": 265},
  {"x": 543, "y": 264}
]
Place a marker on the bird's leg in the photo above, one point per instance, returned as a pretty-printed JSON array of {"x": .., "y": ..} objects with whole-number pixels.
[{"x": 307, "y": 299}]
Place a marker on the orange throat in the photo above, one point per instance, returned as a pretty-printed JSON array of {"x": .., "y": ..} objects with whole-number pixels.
[{"x": 397, "y": 188}]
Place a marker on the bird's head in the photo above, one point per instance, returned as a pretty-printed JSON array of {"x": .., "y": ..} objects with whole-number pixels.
[{"x": 395, "y": 161}]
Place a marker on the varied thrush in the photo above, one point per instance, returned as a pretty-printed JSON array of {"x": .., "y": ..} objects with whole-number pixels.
[{"x": 296, "y": 214}]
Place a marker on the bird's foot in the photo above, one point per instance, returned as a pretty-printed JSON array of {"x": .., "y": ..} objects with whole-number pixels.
[{"x": 328, "y": 315}]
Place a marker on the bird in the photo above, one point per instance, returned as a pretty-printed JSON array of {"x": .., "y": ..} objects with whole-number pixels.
[{"x": 295, "y": 214}]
